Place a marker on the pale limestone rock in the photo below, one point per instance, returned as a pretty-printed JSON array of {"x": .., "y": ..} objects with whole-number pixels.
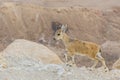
[
  {"x": 116, "y": 65},
  {"x": 22, "y": 49}
]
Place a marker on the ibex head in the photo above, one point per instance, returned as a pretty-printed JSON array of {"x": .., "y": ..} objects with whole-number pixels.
[{"x": 59, "y": 33}]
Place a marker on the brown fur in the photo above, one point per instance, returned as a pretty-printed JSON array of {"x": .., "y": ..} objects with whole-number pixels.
[{"x": 78, "y": 47}]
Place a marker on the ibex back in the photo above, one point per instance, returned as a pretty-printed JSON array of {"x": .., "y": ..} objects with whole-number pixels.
[{"x": 78, "y": 47}]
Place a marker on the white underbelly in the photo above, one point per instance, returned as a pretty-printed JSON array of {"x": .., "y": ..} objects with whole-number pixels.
[{"x": 81, "y": 54}]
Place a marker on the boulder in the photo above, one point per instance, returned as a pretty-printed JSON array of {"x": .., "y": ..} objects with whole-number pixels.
[{"x": 21, "y": 50}]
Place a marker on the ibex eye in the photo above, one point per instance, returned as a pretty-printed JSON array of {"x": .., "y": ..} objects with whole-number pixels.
[{"x": 58, "y": 34}]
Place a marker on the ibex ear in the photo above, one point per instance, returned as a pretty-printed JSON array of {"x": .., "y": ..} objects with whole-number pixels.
[{"x": 64, "y": 28}]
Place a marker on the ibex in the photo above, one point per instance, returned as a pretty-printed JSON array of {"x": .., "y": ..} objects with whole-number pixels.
[{"x": 79, "y": 47}]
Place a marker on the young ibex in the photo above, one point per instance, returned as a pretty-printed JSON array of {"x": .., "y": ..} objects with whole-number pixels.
[{"x": 78, "y": 47}]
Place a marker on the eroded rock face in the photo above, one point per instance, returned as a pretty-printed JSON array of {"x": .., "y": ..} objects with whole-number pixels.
[
  {"x": 21, "y": 49},
  {"x": 33, "y": 22}
]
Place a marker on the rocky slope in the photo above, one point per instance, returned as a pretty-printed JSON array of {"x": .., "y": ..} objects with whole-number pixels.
[
  {"x": 55, "y": 72},
  {"x": 33, "y": 22},
  {"x": 25, "y": 62}
]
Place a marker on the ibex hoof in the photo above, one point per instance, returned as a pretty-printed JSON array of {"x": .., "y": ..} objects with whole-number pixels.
[
  {"x": 91, "y": 69},
  {"x": 71, "y": 65},
  {"x": 106, "y": 69}
]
